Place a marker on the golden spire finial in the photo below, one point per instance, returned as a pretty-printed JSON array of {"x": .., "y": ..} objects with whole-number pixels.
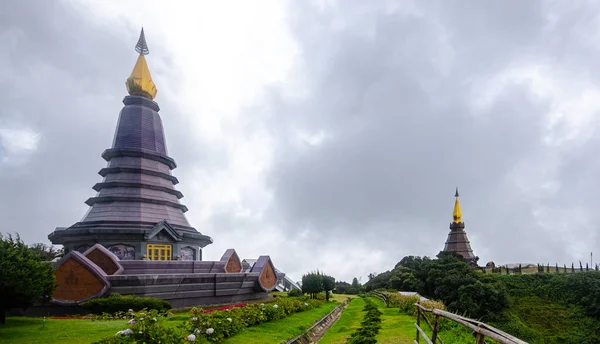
[
  {"x": 140, "y": 82},
  {"x": 456, "y": 214}
]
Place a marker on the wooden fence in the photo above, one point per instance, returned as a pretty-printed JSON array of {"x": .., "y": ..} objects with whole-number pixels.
[
  {"x": 382, "y": 296},
  {"x": 480, "y": 330}
]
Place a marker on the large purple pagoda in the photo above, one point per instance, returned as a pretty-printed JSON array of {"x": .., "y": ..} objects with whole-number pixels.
[{"x": 136, "y": 213}]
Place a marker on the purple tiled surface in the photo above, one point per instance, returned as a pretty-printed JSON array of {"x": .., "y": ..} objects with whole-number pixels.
[
  {"x": 138, "y": 187},
  {"x": 140, "y": 127}
]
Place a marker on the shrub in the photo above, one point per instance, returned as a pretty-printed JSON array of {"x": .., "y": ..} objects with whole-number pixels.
[
  {"x": 406, "y": 304},
  {"x": 295, "y": 292},
  {"x": 24, "y": 279},
  {"x": 118, "y": 303},
  {"x": 369, "y": 327},
  {"x": 216, "y": 326},
  {"x": 146, "y": 327},
  {"x": 207, "y": 327}
]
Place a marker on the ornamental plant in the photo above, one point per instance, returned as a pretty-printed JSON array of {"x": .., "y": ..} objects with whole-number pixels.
[
  {"x": 146, "y": 327},
  {"x": 214, "y": 327},
  {"x": 206, "y": 326}
]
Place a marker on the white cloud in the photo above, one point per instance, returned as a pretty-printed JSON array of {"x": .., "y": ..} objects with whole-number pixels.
[{"x": 17, "y": 144}]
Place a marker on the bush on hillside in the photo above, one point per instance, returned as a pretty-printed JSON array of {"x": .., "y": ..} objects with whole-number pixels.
[
  {"x": 406, "y": 303},
  {"x": 118, "y": 303}
]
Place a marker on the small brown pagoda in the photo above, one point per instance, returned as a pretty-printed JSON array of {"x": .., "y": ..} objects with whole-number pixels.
[{"x": 457, "y": 238}]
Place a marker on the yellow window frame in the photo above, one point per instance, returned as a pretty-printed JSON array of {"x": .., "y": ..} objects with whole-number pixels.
[{"x": 159, "y": 251}]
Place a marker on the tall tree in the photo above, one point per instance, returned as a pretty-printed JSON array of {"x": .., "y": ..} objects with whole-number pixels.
[
  {"x": 328, "y": 285},
  {"x": 312, "y": 284},
  {"x": 24, "y": 278}
]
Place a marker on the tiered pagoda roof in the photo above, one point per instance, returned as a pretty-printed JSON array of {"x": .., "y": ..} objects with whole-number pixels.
[{"x": 138, "y": 190}]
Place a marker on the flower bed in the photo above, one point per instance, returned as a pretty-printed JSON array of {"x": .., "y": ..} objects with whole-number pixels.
[
  {"x": 224, "y": 308},
  {"x": 208, "y": 326},
  {"x": 216, "y": 326}
]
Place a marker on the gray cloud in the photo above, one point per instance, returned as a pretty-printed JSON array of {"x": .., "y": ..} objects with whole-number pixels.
[{"x": 393, "y": 92}]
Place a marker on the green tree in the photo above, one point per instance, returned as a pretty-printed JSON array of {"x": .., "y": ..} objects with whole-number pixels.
[
  {"x": 24, "y": 278},
  {"x": 328, "y": 285},
  {"x": 46, "y": 252},
  {"x": 342, "y": 287},
  {"x": 312, "y": 283}
]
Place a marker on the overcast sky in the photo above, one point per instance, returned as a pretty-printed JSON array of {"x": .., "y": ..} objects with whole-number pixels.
[{"x": 326, "y": 134}]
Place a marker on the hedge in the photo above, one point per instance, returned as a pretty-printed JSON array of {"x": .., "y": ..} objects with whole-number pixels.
[{"x": 118, "y": 303}]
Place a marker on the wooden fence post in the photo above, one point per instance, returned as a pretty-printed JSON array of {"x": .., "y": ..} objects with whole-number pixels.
[
  {"x": 418, "y": 321},
  {"x": 435, "y": 329}
]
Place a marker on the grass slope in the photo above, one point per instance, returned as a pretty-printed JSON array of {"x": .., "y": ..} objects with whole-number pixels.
[
  {"x": 282, "y": 330},
  {"x": 347, "y": 323},
  {"x": 29, "y": 330},
  {"x": 396, "y": 327}
]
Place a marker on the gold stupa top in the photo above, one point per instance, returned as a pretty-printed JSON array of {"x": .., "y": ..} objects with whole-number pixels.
[
  {"x": 456, "y": 214},
  {"x": 140, "y": 82}
]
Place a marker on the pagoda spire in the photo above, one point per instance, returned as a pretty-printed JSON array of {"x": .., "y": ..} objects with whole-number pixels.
[
  {"x": 456, "y": 214},
  {"x": 140, "y": 82}
]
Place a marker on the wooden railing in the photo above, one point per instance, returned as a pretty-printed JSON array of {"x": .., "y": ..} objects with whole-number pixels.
[
  {"x": 480, "y": 330},
  {"x": 382, "y": 296}
]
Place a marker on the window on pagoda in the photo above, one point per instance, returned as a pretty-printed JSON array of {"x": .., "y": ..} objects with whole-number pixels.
[{"x": 159, "y": 252}]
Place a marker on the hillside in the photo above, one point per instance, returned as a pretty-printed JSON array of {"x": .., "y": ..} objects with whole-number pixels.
[{"x": 538, "y": 308}]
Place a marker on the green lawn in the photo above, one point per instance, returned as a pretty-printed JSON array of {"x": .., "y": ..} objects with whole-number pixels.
[
  {"x": 21, "y": 330},
  {"x": 24, "y": 330},
  {"x": 281, "y": 330},
  {"x": 396, "y": 327},
  {"x": 346, "y": 324}
]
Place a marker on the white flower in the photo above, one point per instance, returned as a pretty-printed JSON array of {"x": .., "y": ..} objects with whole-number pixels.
[
  {"x": 194, "y": 319},
  {"x": 210, "y": 330},
  {"x": 306, "y": 304},
  {"x": 197, "y": 331},
  {"x": 229, "y": 319},
  {"x": 130, "y": 310},
  {"x": 154, "y": 319},
  {"x": 125, "y": 332},
  {"x": 275, "y": 306},
  {"x": 131, "y": 322},
  {"x": 141, "y": 319},
  {"x": 191, "y": 338},
  {"x": 262, "y": 304}
]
